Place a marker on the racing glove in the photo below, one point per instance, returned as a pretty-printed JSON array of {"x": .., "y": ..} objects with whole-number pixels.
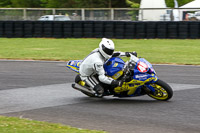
[
  {"x": 116, "y": 54},
  {"x": 133, "y": 53},
  {"x": 116, "y": 83}
]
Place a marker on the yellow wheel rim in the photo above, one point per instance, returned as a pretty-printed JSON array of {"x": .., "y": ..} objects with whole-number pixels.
[{"x": 161, "y": 93}]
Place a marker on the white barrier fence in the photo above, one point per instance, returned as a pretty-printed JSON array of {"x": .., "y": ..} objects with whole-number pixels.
[{"x": 123, "y": 14}]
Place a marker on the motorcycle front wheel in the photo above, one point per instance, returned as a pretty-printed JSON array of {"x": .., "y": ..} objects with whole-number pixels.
[{"x": 163, "y": 91}]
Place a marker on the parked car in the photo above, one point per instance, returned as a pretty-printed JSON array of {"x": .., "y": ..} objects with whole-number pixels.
[
  {"x": 194, "y": 16},
  {"x": 197, "y": 15},
  {"x": 54, "y": 18}
]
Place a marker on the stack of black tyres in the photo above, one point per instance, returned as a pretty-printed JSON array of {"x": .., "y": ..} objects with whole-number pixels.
[
  {"x": 172, "y": 30},
  {"x": 151, "y": 30},
  {"x": 1, "y": 29},
  {"x": 88, "y": 29},
  {"x": 119, "y": 29},
  {"x": 28, "y": 29},
  {"x": 194, "y": 31},
  {"x": 18, "y": 29},
  {"x": 129, "y": 30},
  {"x": 38, "y": 29},
  {"x": 67, "y": 29},
  {"x": 183, "y": 30},
  {"x": 140, "y": 30},
  {"x": 77, "y": 29},
  {"x": 98, "y": 29},
  {"x": 57, "y": 29},
  {"x": 9, "y": 29},
  {"x": 109, "y": 29},
  {"x": 47, "y": 29},
  {"x": 161, "y": 30}
]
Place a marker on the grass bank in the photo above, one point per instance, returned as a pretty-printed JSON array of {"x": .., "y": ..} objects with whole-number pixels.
[
  {"x": 17, "y": 125},
  {"x": 154, "y": 50}
]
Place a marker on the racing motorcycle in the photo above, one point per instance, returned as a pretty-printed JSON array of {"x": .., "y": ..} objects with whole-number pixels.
[{"x": 137, "y": 78}]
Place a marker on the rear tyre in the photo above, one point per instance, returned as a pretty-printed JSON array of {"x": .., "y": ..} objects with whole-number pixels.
[{"x": 163, "y": 91}]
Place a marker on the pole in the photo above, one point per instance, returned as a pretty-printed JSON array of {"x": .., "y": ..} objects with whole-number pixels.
[{"x": 25, "y": 14}]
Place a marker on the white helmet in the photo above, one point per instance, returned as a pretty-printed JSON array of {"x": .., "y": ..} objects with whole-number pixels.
[{"x": 106, "y": 48}]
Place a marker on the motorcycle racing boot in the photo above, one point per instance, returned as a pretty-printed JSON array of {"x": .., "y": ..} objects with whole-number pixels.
[
  {"x": 99, "y": 90},
  {"x": 82, "y": 86}
]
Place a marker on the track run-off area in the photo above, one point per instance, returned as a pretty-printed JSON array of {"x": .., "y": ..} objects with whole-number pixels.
[{"x": 41, "y": 90}]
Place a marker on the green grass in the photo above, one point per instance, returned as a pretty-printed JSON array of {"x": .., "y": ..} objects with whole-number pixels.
[
  {"x": 18, "y": 125},
  {"x": 154, "y": 50}
]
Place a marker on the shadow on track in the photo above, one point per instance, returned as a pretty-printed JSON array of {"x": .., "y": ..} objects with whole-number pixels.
[{"x": 119, "y": 101}]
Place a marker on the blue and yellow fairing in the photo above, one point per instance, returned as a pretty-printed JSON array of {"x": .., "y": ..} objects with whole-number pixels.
[
  {"x": 114, "y": 68},
  {"x": 74, "y": 65},
  {"x": 133, "y": 87}
]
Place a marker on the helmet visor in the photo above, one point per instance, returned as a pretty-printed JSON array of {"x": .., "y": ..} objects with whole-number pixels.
[{"x": 107, "y": 51}]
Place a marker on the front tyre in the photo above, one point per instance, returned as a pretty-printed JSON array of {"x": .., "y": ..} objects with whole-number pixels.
[{"x": 163, "y": 91}]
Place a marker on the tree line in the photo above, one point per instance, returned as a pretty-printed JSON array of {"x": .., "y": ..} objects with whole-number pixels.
[{"x": 79, "y": 3}]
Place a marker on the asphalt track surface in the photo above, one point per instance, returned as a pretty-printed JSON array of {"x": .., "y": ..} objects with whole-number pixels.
[{"x": 42, "y": 91}]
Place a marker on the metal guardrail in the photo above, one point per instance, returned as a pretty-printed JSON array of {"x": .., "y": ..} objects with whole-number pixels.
[{"x": 106, "y": 14}]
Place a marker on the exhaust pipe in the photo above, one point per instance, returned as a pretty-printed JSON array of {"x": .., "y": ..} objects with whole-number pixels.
[{"x": 82, "y": 88}]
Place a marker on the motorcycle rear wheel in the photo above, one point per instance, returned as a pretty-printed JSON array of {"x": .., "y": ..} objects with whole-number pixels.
[{"x": 163, "y": 91}]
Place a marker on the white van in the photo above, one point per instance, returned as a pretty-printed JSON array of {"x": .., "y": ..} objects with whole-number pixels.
[{"x": 54, "y": 18}]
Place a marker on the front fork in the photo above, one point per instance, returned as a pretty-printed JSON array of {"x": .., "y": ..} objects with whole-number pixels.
[{"x": 150, "y": 88}]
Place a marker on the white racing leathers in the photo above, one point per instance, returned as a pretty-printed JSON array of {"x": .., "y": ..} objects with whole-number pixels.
[{"x": 93, "y": 65}]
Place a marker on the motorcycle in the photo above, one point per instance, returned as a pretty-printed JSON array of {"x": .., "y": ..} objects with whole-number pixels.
[{"x": 137, "y": 78}]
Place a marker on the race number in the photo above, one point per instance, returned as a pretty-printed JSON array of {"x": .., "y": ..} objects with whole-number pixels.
[{"x": 142, "y": 67}]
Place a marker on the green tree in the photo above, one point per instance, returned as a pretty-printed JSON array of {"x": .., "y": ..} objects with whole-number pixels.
[
  {"x": 25, "y": 3},
  {"x": 60, "y": 3},
  {"x": 170, "y": 3},
  {"x": 133, "y": 3},
  {"x": 102, "y": 3},
  {"x": 84, "y": 3},
  {"x": 5, "y": 3},
  {"x": 80, "y": 3}
]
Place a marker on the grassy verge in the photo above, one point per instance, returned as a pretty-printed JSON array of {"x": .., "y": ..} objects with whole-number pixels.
[
  {"x": 17, "y": 125},
  {"x": 154, "y": 50}
]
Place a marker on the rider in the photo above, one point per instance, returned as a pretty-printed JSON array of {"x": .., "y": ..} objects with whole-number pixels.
[{"x": 93, "y": 65}]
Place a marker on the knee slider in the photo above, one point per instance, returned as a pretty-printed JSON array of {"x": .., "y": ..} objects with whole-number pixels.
[{"x": 77, "y": 79}]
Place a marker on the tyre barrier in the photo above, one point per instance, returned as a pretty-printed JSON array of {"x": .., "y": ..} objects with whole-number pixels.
[{"x": 99, "y": 29}]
